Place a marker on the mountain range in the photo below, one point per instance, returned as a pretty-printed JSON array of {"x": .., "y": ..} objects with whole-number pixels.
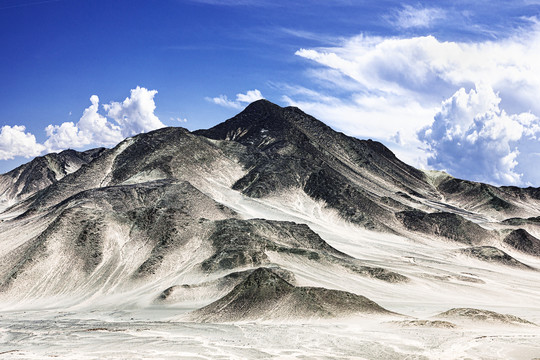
[{"x": 270, "y": 215}]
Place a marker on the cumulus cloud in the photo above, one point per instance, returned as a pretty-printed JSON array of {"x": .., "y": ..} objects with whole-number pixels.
[
  {"x": 92, "y": 128},
  {"x": 241, "y": 99},
  {"x": 471, "y": 137},
  {"x": 415, "y": 17},
  {"x": 223, "y": 100},
  {"x": 249, "y": 97},
  {"x": 399, "y": 84},
  {"x": 136, "y": 113},
  {"x": 427, "y": 66},
  {"x": 15, "y": 141},
  {"x": 132, "y": 116}
]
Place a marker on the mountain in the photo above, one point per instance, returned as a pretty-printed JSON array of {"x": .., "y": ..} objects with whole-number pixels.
[
  {"x": 290, "y": 149},
  {"x": 265, "y": 294},
  {"x": 268, "y": 215},
  {"x": 41, "y": 172}
]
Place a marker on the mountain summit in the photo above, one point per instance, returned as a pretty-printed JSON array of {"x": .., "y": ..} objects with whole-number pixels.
[{"x": 289, "y": 149}]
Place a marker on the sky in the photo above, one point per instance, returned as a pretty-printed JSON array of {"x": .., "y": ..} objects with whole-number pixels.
[{"x": 446, "y": 85}]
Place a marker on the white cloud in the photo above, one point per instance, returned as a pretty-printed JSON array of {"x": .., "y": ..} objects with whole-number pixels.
[
  {"x": 130, "y": 117},
  {"x": 416, "y": 17},
  {"x": 66, "y": 135},
  {"x": 389, "y": 85},
  {"x": 223, "y": 100},
  {"x": 136, "y": 113},
  {"x": 92, "y": 128},
  {"x": 241, "y": 99},
  {"x": 179, "y": 119},
  {"x": 249, "y": 97},
  {"x": 426, "y": 66},
  {"x": 472, "y": 138},
  {"x": 14, "y": 141}
]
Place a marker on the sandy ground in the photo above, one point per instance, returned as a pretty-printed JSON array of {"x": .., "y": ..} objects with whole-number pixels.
[{"x": 148, "y": 335}]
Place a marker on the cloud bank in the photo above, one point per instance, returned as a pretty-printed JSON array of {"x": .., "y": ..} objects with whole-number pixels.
[
  {"x": 130, "y": 117},
  {"x": 395, "y": 89}
]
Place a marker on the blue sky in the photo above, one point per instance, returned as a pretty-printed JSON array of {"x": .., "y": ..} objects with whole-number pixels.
[{"x": 449, "y": 85}]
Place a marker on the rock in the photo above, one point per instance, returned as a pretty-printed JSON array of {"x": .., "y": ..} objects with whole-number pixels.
[
  {"x": 493, "y": 255},
  {"x": 265, "y": 295},
  {"x": 482, "y": 316},
  {"x": 522, "y": 241},
  {"x": 444, "y": 224}
]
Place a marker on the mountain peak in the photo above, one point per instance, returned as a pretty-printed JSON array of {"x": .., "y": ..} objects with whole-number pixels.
[
  {"x": 257, "y": 121},
  {"x": 262, "y": 104}
]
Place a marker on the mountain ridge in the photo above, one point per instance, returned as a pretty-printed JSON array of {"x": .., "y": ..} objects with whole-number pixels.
[{"x": 40, "y": 172}]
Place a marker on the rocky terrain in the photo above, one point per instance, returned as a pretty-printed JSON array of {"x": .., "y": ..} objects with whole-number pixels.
[
  {"x": 482, "y": 316},
  {"x": 264, "y": 294},
  {"x": 41, "y": 172},
  {"x": 270, "y": 216}
]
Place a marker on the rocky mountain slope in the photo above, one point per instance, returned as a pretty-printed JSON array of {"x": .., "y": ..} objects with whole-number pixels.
[
  {"x": 268, "y": 215},
  {"x": 41, "y": 172}
]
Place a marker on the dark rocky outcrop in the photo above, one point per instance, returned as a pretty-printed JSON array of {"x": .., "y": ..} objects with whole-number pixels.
[
  {"x": 482, "y": 316},
  {"x": 266, "y": 295},
  {"x": 475, "y": 193},
  {"x": 522, "y": 241},
  {"x": 493, "y": 255},
  {"x": 223, "y": 285},
  {"x": 246, "y": 243},
  {"x": 521, "y": 221},
  {"x": 444, "y": 224},
  {"x": 528, "y": 193},
  {"x": 353, "y": 203},
  {"x": 504, "y": 200}
]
